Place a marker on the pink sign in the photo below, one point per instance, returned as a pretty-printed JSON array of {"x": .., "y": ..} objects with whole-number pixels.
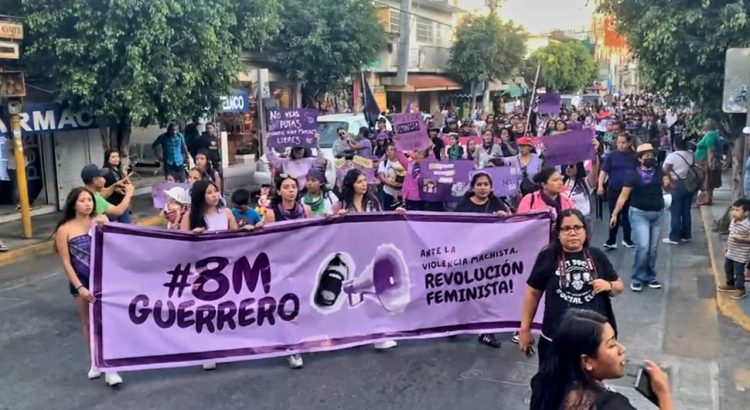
[{"x": 411, "y": 133}]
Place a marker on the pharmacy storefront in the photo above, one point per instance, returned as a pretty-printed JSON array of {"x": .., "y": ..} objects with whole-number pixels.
[{"x": 57, "y": 144}]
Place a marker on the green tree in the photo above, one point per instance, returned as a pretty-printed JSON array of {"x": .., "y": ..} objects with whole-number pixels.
[
  {"x": 566, "y": 67},
  {"x": 324, "y": 42},
  {"x": 142, "y": 61},
  {"x": 487, "y": 49},
  {"x": 681, "y": 44}
]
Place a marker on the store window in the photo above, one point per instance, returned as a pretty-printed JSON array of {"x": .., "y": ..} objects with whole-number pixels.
[{"x": 425, "y": 31}]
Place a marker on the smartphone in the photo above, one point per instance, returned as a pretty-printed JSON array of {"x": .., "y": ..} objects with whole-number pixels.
[{"x": 643, "y": 385}]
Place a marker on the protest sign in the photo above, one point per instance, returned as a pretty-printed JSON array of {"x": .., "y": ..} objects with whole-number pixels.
[
  {"x": 158, "y": 192},
  {"x": 411, "y": 133},
  {"x": 506, "y": 180},
  {"x": 368, "y": 166},
  {"x": 292, "y": 128},
  {"x": 443, "y": 180},
  {"x": 569, "y": 147},
  {"x": 359, "y": 279},
  {"x": 549, "y": 104}
]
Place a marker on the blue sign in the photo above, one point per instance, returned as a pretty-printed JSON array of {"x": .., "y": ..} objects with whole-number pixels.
[
  {"x": 50, "y": 117},
  {"x": 239, "y": 101}
]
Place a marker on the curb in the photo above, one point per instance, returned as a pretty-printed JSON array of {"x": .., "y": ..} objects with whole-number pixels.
[
  {"x": 727, "y": 306},
  {"x": 45, "y": 247}
]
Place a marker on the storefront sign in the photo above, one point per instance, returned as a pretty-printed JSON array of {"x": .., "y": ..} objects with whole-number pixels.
[
  {"x": 49, "y": 117},
  {"x": 9, "y": 50},
  {"x": 11, "y": 29},
  {"x": 239, "y": 101}
]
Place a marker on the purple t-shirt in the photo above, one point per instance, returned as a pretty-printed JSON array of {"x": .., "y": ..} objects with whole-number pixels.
[{"x": 616, "y": 165}]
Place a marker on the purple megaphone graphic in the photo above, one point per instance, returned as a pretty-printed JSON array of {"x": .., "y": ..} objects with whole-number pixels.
[{"x": 385, "y": 280}]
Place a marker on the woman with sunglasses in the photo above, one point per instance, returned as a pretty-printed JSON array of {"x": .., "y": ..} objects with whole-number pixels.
[
  {"x": 578, "y": 187},
  {"x": 569, "y": 274}
]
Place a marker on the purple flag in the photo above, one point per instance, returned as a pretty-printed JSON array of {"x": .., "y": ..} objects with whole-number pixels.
[
  {"x": 292, "y": 128},
  {"x": 569, "y": 147},
  {"x": 158, "y": 192},
  {"x": 170, "y": 298},
  {"x": 443, "y": 180},
  {"x": 549, "y": 104},
  {"x": 411, "y": 133}
]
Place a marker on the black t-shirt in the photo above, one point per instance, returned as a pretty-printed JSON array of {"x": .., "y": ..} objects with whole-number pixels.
[
  {"x": 437, "y": 147},
  {"x": 570, "y": 289},
  {"x": 110, "y": 179},
  {"x": 610, "y": 400},
  {"x": 646, "y": 194},
  {"x": 492, "y": 206},
  {"x": 210, "y": 143}
]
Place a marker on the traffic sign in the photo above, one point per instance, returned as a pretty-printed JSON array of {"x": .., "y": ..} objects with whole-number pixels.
[
  {"x": 11, "y": 29},
  {"x": 9, "y": 50}
]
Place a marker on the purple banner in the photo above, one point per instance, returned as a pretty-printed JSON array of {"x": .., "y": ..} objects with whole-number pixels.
[
  {"x": 158, "y": 192},
  {"x": 411, "y": 133},
  {"x": 359, "y": 279},
  {"x": 569, "y": 147},
  {"x": 292, "y": 128},
  {"x": 443, "y": 180},
  {"x": 549, "y": 104},
  {"x": 505, "y": 180}
]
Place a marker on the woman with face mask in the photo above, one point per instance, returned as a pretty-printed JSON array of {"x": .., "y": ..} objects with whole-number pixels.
[{"x": 643, "y": 187}]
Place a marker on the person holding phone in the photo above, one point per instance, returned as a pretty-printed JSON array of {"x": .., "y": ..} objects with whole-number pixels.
[
  {"x": 588, "y": 353},
  {"x": 569, "y": 274}
]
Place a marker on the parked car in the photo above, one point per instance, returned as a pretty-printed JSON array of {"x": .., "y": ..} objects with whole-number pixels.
[{"x": 327, "y": 126}]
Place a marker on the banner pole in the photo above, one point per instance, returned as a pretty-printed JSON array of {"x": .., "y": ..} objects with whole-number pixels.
[{"x": 533, "y": 94}]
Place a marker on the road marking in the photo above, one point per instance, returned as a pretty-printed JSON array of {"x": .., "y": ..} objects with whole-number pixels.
[{"x": 25, "y": 282}]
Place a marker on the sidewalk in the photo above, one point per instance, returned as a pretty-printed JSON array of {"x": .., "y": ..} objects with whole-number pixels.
[
  {"x": 142, "y": 209},
  {"x": 736, "y": 310}
]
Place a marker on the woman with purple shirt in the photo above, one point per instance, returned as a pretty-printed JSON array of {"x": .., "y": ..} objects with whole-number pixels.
[
  {"x": 615, "y": 167},
  {"x": 299, "y": 162}
]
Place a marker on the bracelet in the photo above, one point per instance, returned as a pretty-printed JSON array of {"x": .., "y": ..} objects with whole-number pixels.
[{"x": 78, "y": 288}]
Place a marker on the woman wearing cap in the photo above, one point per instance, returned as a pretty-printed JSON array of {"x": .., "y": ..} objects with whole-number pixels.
[
  {"x": 381, "y": 142},
  {"x": 529, "y": 163},
  {"x": 643, "y": 187},
  {"x": 481, "y": 199},
  {"x": 299, "y": 162},
  {"x": 178, "y": 202},
  {"x": 549, "y": 197},
  {"x": 317, "y": 196}
]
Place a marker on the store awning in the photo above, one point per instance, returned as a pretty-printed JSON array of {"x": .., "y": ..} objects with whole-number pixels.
[{"x": 417, "y": 83}]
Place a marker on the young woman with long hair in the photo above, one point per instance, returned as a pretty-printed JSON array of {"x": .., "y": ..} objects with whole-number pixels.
[
  {"x": 73, "y": 245},
  {"x": 569, "y": 274},
  {"x": 204, "y": 165},
  {"x": 355, "y": 197},
  {"x": 586, "y": 353},
  {"x": 115, "y": 175},
  {"x": 550, "y": 196}
]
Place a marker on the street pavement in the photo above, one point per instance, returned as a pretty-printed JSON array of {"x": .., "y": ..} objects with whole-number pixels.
[{"x": 44, "y": 362}]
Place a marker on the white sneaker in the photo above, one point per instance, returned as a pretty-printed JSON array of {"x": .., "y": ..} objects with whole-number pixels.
[
  {"x": 295, "y": 361},
  {"x": 94, "y": 374},
  {"x": 112, "y": 379},
  {"x": 209, "y": 366},
  {"x": 669, "y": 241},
  {"x": 388, "y": 344}
]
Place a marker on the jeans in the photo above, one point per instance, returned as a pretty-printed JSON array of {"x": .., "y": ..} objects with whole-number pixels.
[
  {"x": 178, "y": 171},
  {"x": 387, "y": 201},
  {"x": 646, "y": 232},
  {"x": 735, "y": 274},
  {"x": 681, "y": 221},
  {"x": 125, "y": 218},
  {"x": 13, "y": 175},
  {"x": 414, "y": 205},
  {"x": 622, "y": 220}
]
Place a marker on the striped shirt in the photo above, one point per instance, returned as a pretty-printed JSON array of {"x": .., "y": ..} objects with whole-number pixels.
[{"x": 736, "y": 251}]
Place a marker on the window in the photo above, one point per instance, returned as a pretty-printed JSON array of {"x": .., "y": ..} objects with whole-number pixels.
[
  {"x": 425, "y": 31},
  {"x": 395, "y": 19}
]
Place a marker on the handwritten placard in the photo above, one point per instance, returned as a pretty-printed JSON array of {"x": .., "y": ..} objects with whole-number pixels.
[
  {"x": 411, "y": 133},
  {"x": 292, "y": 128}
]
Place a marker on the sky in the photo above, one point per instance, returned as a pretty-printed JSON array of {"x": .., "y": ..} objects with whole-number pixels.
[{"x": 541, "y": 16}]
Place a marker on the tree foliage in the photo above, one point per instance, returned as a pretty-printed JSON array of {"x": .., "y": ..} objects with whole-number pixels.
[
  {"x": 487, "y": 49},
  {"x": 324, "y": 42},
  {"x": 566, "y": 67},
  {"x": 139, "y": 61},
  {"x": 682, "y": 43}
]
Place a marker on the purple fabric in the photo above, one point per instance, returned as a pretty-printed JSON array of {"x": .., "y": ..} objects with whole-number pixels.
[
  {"x": 442, "y": 180},
  {"x": 506, "y": 181},
  {"x": 361, "y": 278},
  {"x": 292, "y": 128},
  {"x": 617, "y": 164},
  {"x": 411, "y": 133},
  {"x": 569, "y": 147},
  {"x": 549, "y": 104}
]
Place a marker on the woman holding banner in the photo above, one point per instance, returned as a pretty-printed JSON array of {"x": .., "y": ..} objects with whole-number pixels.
[
  {"x": 481, "y": 199},
  {"x": 73, "y": 245},
  {"x": 569, "y": 274}
]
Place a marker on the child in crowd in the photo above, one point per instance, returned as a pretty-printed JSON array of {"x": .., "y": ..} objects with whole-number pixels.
[
  {"x": 242, "y": 211},
  {"x": 178, "y": 202},
  {"x": 738, "y": 250}
]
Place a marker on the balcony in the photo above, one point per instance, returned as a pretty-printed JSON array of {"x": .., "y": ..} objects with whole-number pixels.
[{"x": 422, "y": 58}]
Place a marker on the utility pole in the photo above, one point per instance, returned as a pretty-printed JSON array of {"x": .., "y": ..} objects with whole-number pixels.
[
  {"x": 404, "y": 42},
  {"x": 12, "y": 91}
]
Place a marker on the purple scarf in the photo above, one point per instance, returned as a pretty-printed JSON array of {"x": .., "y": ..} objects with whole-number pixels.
[
  {"x": 297, "y": 213},
  {"x": 647, "y": 175}
]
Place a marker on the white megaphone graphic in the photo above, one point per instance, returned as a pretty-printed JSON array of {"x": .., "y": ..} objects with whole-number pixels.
[{"x": 385, "y": 280}]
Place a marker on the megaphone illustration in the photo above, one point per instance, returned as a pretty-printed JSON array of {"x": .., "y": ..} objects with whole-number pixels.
[
  {"x": 385, "y": 280},
  {"x": 333, "y": 272}
]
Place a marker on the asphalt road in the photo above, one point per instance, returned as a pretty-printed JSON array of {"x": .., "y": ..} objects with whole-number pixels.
[{"x": 44, "y": 362}]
